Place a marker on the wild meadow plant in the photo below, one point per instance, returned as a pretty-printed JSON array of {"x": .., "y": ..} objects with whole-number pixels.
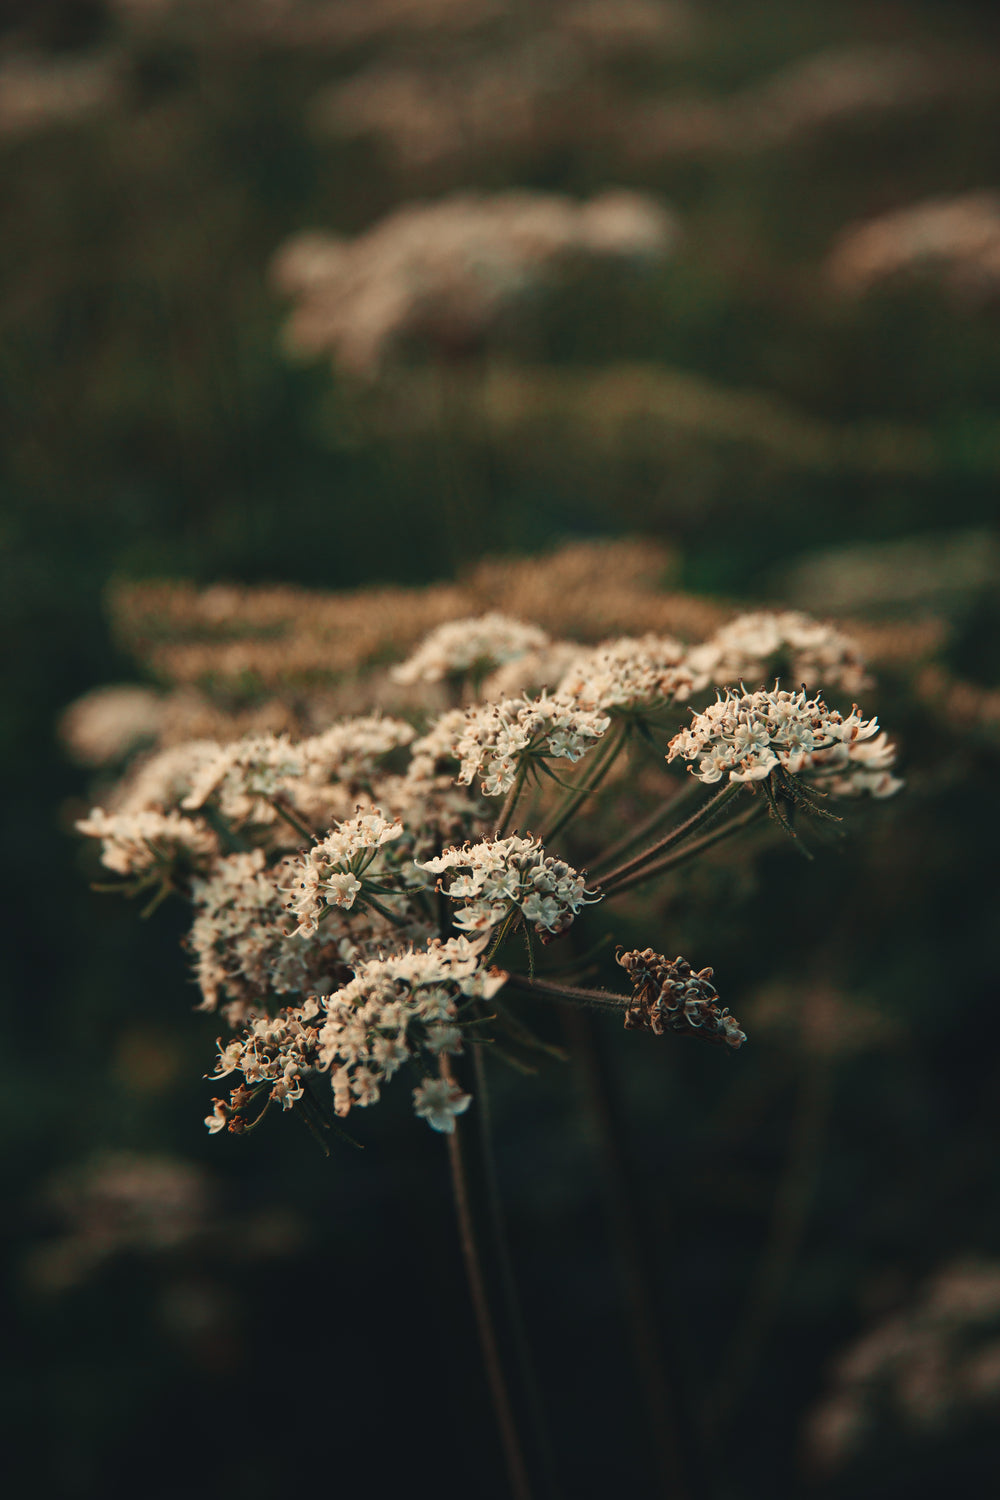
[{"x": 378, "y": 904}]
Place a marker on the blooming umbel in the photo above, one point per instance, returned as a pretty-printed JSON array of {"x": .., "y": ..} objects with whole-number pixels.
[
  {"x": 406, "y": 1008},
  {"x": 629, "y": 675},
  {"x": 243, "y": 777},
  {"x": 745, "y": 736},
  {"x": 496, "y": 740},
  {"x": 133, "y": 842},
  {"x": 347, "y": 830},
  {"x": 351, "y": 750},
  {"x": 242, "y": 954},
  {"x": 757, "y": 646},
  {"x": 475, "y": 646},
  {"x": 332, "y": 872},
  {"x": 447, "y": 275},
  {"x": 671, "y": 996},
  {"x": 500, "y": 877},
  {"x": 274, "y": 1051}
]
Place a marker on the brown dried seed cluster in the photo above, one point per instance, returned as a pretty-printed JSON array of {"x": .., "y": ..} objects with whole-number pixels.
[{"x": 671, "y": 996}]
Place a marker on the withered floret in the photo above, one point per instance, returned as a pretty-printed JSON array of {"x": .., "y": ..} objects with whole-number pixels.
[{"x": 670, "y": 996}]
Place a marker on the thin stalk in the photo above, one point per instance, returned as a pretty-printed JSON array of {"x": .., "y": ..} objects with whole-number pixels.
[
  {"x": 706, "y": 814},
  {"x": 512, "y": 1301},
  {"x": 541, "y": 989},
  {"x": 511, "y": 800},
  {"x": 788, "y": 1221},
  {"x": 383, "y": 911},
  {"x": 600, "y": 767},
  {"x": 284, "y": 810},
  {"x": 516, "y": 1471},
  {"x": 648, "y": 825},
  {"x": 691, "y": 851}
]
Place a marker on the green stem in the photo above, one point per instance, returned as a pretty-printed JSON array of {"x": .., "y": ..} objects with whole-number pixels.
[
  {"x": 706, "y": 814},
  {"x": 692, "y": 850},
  {"x": 605, "y": 759},
  {"x": 574, "y": 994},
  {"x": 284, "y": 810},
  {"x": 508, "y": 1282},
  {"x": 511, "y": 800},
  {"x": 383, "y": 911},
  {"x": 648, "y": 825},
  {"x": 516, "y": 1470}
]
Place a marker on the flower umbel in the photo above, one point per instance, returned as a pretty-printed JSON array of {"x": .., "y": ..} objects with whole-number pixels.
[
  {"x": 496, "y": 740},
  {"x": 475, "y": 646},
  {"x": 500, "y": 877},
  {"x": 332, "y": 872},
  {"x": 745, "y": 736}
]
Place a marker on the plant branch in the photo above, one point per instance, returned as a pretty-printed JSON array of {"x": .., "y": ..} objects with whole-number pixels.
[
  {"x": 383, "y": 911},
  {"x": 711, "y": 810},
  {"x": 649, "y": 824},
  {"x": 660, "y": 1397},
  {"x": 511, "y": 800},
  {"x": 600, "y": 767},
  {"x": 516, "y": 1471},
  {"x": 508, "y": 1282},
  {"x": 541, "y": 989},
  {"x": 285, "y": 810},
  {"x": 692, "y": 850}
]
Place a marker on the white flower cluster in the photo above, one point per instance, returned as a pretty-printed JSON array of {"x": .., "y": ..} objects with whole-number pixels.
[
  {"x": 330, "y": 873},
  {"x": 493, "y": 740},
  {"x": 273, "y": 1050},
  {"x": 746, "y": 735},
  {"x": 244, "y": 776},
  {"x": 396, "y": 1008},
  {"x": 241, "y": 954},
  {"x": 405, "y": 1008},
  {"x": 527, "y": 675},
  {"x": 350, "y": 751},
  {"x": 955, "y": 241},
  {"x": 501, "y": 876},
  {"x": 446, "y": 274},
  {"x": 435, "y": 753},
  {"x": 758, "y": 646},
  {"x": 108, "y": 724},
  {"x": 161, "y": 781},
  {"x": 475, "y": 645},
  {"x": 133, "y": 842},
  {"x": 629, "y": 674},
  {"x": 851, "y": 768}
]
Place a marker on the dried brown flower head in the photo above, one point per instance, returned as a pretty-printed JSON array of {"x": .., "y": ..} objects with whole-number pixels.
[{"x": 670, "y": 996}]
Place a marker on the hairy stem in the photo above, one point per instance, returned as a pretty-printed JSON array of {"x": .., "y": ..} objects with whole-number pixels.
[
  {"x": 542, "y": 989},
  {"x": 692, "y": 850},
  {"x": 383, "y": 911},
  {"x": 286, "y": 811},
  {"x": 600, "y": 766},
  {"x": 648, "y": 825},
  {"x": 711, "y": 810}
]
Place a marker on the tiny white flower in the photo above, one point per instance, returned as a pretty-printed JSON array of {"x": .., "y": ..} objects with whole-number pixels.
[{"x": 439, "y": 1101}]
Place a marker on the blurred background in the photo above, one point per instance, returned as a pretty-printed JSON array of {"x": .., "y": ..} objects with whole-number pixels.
[{"x": 778, "y": 373}]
